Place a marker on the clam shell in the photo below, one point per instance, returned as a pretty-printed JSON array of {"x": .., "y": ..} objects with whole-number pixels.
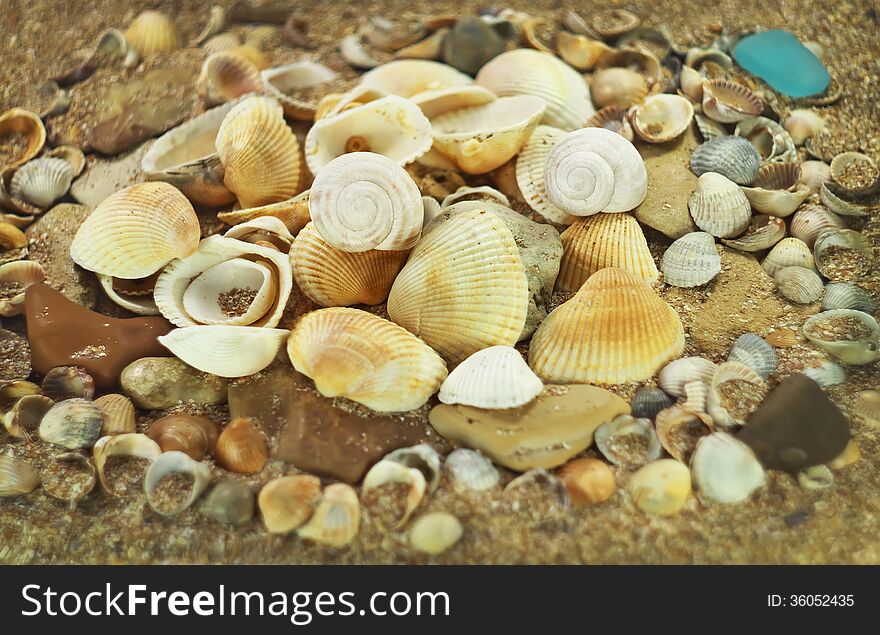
[
  {"x": 42, "y": 181},
  {"x": 691, "y": 261},
  {"x": 529, "y": 72},
  {"x": 170, "y": 463},
  {"x": 73, "y": 424},
  {"x": 799, "y": 284},
  {"x": 843, "y": 255},
  {"x": 141, "y": 305},
  {"x": 495, "y": 377},
  {"x": 772, "y": 141},
  {"x": 26, "y": 415},
  {"x": 843, "y": 161},
  {"x": 725, "y": 470},
  {"x": 600, "y": 241},
  {"x": 227, "y": 75},
  {"x": 636, "y": 58},
  {"x": 579, "y": 51},
  {"x": 11, "y": 237},
  {"x": 227, "y": 351},
  {"x": 68, "y": 382},
  {"x": 288, "y": 84},
  {"x": 294, "y": 213},
  {"x": 726, "y": 372},
  {"x": 627, "y": 441},
  {"x": 426, "y": 49},
  {"x": 814, "y": 174},
  {"x": 435, "y": 533},
  {"x": 434, "y": 103},
  {"x": 229, "y": 502},
  {"x": 763, "y": 232},
  {"x": 826, "y": 374},
  {"x": 816, "y": 477},
  {"x": 19, "y": 274},
  {"x": 194, "y": 435},
  {"x": 22, "y": 125},
  {"x": 719, "y": 207},
  {"x": 470, "y": 470},
  {"x": 16, "y": 478},
  {"x": 408, "y": 78},
  {"x": 867, "y": 407},
  {"x": 587, "y": 481},
  {"x": 118, "y": 411},
  {"x": 463, "y": 288},
  {"x": 61, "y": 484},
  {"x": 779, "y": 203},
  {"x": 612, "y": 118},
  {"x": 726, "y": 101},
  {"x": 610, "y": 23},
  {"x": 661, "y": 118},
  {"x": 845, "y": 295},
  {"x": 482, "y": 193},
  {"x": 354, "y": 354},
  {"x": 530, "y": 174},
  {"x": 620, "y": 87},
  {"x": 136, "y": 232},
  {"x": 753, "y": 351},
  {"x": 662, "y": 487},
  {"x": 811, "y": 220},
  {"x": 639, "y": 333},
  {"x": 648, "y": 401},
  {"x": 803, "y": 124},
  {"x": 287, "y": 502},
  {"x": 732, "y": 157},
  {"x": 676, "y": 374},
  {"x": 387, "y": 472},
  {"x": 680, "y": 429},
  {"x": 153, "y": 32},
  {"x": 241, "y": 447},
  {"x": 850, "y": 351},
  {"x": 789, "y": 252},
  {"x": 337, "y": 518}
]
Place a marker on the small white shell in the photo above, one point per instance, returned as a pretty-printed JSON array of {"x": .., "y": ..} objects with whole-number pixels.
[
  {"x": 719, "y": 207},
  {"x": 691, "y": 261},
  {"x": 227, "y": 351},
  {"x": 661, "y": 118},
  {"x": 470, "y": 470},
  {"x": 799, "y": 284},
  {"x": 174, "y": 462},
  {"x": 846, "y": 295},
  {"x": 21, "y": 274},
  {"x": 803, "y": 124},
  {"x": 609, "y": 440},
  {"x": 495, "y": 377},
  {"x": 337, "y": 518},
  {"x": 435, "y": 533},
  {"x": 725, "y": 469},
  {"x": 677, "y": 373},
  {"x": 789, "y": 252},
  {"x": 42, "y": 181},
  {"x": 465, "y": 193},
  {"x": 283, "y": 82},
  {"x": 385, "y": 472}
]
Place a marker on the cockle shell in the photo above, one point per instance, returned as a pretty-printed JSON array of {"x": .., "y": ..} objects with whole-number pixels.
[
  {"x": 627, "y": 441},
  {"x": 530, "y": 174},
  {"x": 621, "y": 87},
  {"x": 755, "y": 352},
  {"x": 407, "y": 78},
  {"x": 221, "y": 42},
  {"x": 661, "y": 118},
  {"x": 530, "y": 72},
  {"x": 470, "y": 470},
  {"x": 772, "y": 141},
  {"x": 136, "y": 232},
  {"x": 600, "y": 241},
  {"x": 579, "y": 51},
  {"x": 337, "y": 517},
  {"x": 73, "y": 423},
  {"x": 799, "y": 284},
  {"x": 495, "y": 377},
  {"x": 16, "y": 477},
  {"x": 153, "y": 32},
  {"x": 612, "y": 118},
  {"x": 729, "y": 371},
  {"x": 803, "y": 124},
  {"x": 593, "y": 170},
  {"x": 763, "y": 232},
  {"x": 241, "y": 447},
  {"x": 118, "y": 411},
  {"x": 363, "y": 200},
  {"x": 42, "y": 181},
  {"x": 639, "y": 333},
  {"x": 435, "y": 533},
  {"x": 18, "y": 274},
  {"x": 227, "y": 351},
  {"x": 814, "y": 174},
  {"x": 728, "y": 102},
  {"x": 709, "y": 129},
  {"x": 679, "y": 429},
  {"x": 648, "y": 401},
  {"x": 826, "y": 374},
  {"x": 789, "y": 252},
  {"x": 842, "y": 201},
  {"x": 719, "y": 207},
  {"x": 464, "y": 287},
  {"x": 677, "y": 374},
  {"x": 867, "y": 407},
  {"x": 389, "y": 472},
  {"x": 23, "y": 125},
  {"x": 810, "y": 220},
  {"x": 353, "y": 51},
  {"x": 288, "y": 83},
  {"x": 287, "y": 502},
  {"x": 293, "y": 212},
  {"x": 170, "y": 463},
  {"x": 227, "y": 75},
  {"x": 193, "y": 435},
  {"x": 732, "y": 157},
  {"x": 845, "y": 295},
  {"x": 638, "y": 59},
  {"x": 691, "y": 261},
  {"x": 847, "y": 349},
  {"x": 725, "y": 469},
  {"x": 259, "y": 152},
  {"x": 354, "y": 354},
  {"x": 845, "y": 160},
  {"x": 777, "y": 190},
  {"x": 662, "y": 487}
]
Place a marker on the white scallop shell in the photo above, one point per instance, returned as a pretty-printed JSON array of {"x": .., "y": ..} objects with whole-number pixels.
[
  {"x": 530, "y": 174},
  {"x": 227, "y": 351},
  {"x": 755, "y": 352},
  {"x": 799, "y": 284},
  {"x": 826, "y": 374},
  {"x": 788, "y": 252},
  {"x": 495, "y": 377},
  {"x": 725, "y": 469},
  {"x": 691, "y": 261},
  {"x": 719, "y": 207},
  {"x": 470, "y": 470},
  {"x": 677, "y": 373},
  {"x": 42, "y": 181}
]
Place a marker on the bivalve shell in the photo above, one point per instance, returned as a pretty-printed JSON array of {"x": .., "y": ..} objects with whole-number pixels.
[
  {"x": 20, "y": 127},
  {"x": 845, "y": 295},
  {"x": 17, "y": 477},
  {"x": 732, "y": 157},
  {"x": 730, "y": 406},
  {"x": 118, "y": 411},
  {"x": 789, "y": 252},
  {"x": 842, "y": 201},
  {"x": 611, "y": 23},
  {"x": 389, "y": 472},
  {"x": 613, "y": 118},
  {"x": 469, "y": 470},
  {"x": 677, "y": 374},
  {"x": 855, "y": 161},
  {"x": 139, "y": 304},
  {"x": 481, "y": 193},
  {"x": 680, "y": 429},
  {"x": 627, "y": 441},
  {"x": 662, "y": 118},
  {"x": 799, "y": 284},
  {"x": 337, "y": 518},
  {"x": 719, "y": 207},
  {"x": 587, "y": 481},
  {"x": 691, "y": 261},
  {"x": 68, "y": 382},
  {"x": 25, "y": 416},
  {"x": 227, "y": 75},
  {"x": 292, "y": 83},
  {"x": 620, "y": 87},
  {"x": 70, "y": 477},
  {"x": 169, "y": 464},
  {"x": 241, "y": 447},
  {"x": 826, "y": 374},
  {"x": 15, "y": 278},
  {"x": 293, "y": 212},
  {"x": 814, "y": 174},
  {"x": 777, "y": 202},
  {"x": 811, "y": 220},
  {"x": 803, "y": 124},
  {"x": 435, "y": 533},
  {"x": 227, "y": 351},
  {"x": 771, "y": 140},
  {"x": 853, "y": 337},
  {"x": 762, "y": 233},
  {"x": 73, "y": 424},
  {"x": 726, "y": 101},
  {"x": 287, "y": 502},
  {"x": 648, "y": 401},
  {"x": 579, "y": 51},
  {"x": 495, "y": 377},
  {"x": 725, "y": 470},
  {"x": 193, "y": 435},
  {"x": 153, "y": 32},
  {"x": 755, "y": 352},
  {"x": 42, "y": 181},
  {"x": 530, "y": 174},
  {"x": 843, "y": 255},
  {"x": 867, "y": 407},
  {"x": 662, "y": 487},
  {"x": 230, "y": 502}
]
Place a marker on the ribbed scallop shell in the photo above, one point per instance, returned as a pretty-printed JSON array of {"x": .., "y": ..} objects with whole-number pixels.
[
  {"x": 772, "y": 141},
  {"x": 763, "y": 232},
  {"x": 789, "y": 252},
  {"x": 136, "y": 232},
  {"x": 153, "y": 32},
  {"x": 332, "y": 277},
  {"x": 600, "y": 241},
  {"x": 470, "y": 470},
  {"x": 530, "y": 174},
  {"x": 725, "y": 469},
  {"x": 845, "y": 295},
  {"x": 612, "y": 118},
  {"x": 811, "y": 220},
  {"x": 719, "y": 207},
  {"x": 529, "y": 72},
  {"x": 495, "y": 377},
  {"x": 662, "y": 118},
  {"x": 259, "y": 152},
  {"x": 42, "y": 181},
  {"x": 691, "y": 261},
  {"x": 119, "y": 415},
  {"x": 755, "y": 352},
  {"x": 799, "y": 284},
  {"x": 616, "y": 329},
  {"x": 227, "y": 75},
  {"x": 728, "y": 102},
  {"x": 592, "y": 170},
  {"x": 464, "y": 287},
  {"x": 358, "y": 355},
  {"x": 621, "y": 87},
  {"x": 16, "y": 477},
  {"x": 732, "y": 157},
  {"x": 648, "y": 401},
  {"x": 729, "y": 371},
  {"x": 814, "y": 174},
  {"x": 227, "y": 351},
  {"x": 27, "y": 127},
  {"x": 363, "y": 200},
  {"x": 287, "y": 84},
  {"x": 677, "y": 374}
]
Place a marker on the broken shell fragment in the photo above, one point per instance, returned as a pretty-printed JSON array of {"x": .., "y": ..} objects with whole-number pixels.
[
  {"x": 390, "y": 472},
  {"x": 193, "y": 435},
  {"x": 762, "y": 233},
  {"x": 495, "y": 377},
  {"x": 579, "y": 51},
  {"x": 16, "y": 478},
  {"x": 122, "y": 445},
  {"x": 293, "y": 212},
  {"x": 853, "y": 337},
  {"x": 15, "y": 278},
  {"x": 803, "y": 124},
  {"x": 70, "y": 477},
  {"x": 735, "y": 391},
  {"x": 73, "y": 424},
  {"x": 423, "y": 457},
  {"x": 627, "y": 441},
  {"x": 772, "y": 141},
  {"x": 337, "y": 518},
  {"x": 170, "y": 464},
  {"x": 26, "y": 415},
  {"x": 816, "y": 477},
  {"x": 287, "y": 502},
  {"x": 470, "y": 470},
  {"x": 691, "y": 261},
  {"x": 227, "y": 351},
  {"x": 725, "y": 469},
  {"x": 680, "y": 429},
  {"x": 662, "y": 487},
  {"x": 435, "y": 533}
]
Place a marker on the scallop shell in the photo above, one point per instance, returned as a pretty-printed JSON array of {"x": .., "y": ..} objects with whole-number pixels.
[
  {"x": 294, "y": 213},
  {"x": 495, "y": 377},
  {"x": 355, "y": 354},
  {"x": 789, "y": 252},
  {"x": 726, "y": 372},
  {"x": 221, "y": 42},
  {"x": 593, "y": 170},
  {"x": 849, "y": 351},
  {"x": 753, "y": 351},
  {"x": 587, "y": 481},
  {"x": 20, "y": 123},
  {"x": 362, "y": 201},
  {"x": 814, "y": 174},
  {"x": 530, "y": 174},
  {"x": 72, "y": 424},
  {"x": 387, "y": 472},
  {"x": 612, "y": 118},
  {"x": 259, "y": 152},
  {"x": 811, "y": 220},
  {"x": 16, "y": 477},
  {"x": 463, "y": 288},
  {"x": 435, "y": 533},
  {"x": 661, "y": 118},
  {"x": 19, "y": 275},
  {"x": 763, "y": 232},
  {"x": 680, "y": 429},
  {"x": 648, "y": 401},
  {"x": 719, "y": 207},
  {"x": 709, "y": 129},
  {"x": 620, "y": 87},
  {"x": 227, "y": 351},
  {"x": 845, "y": 295},
  {"x": 287, "y": 502},
  {"x": 337, "y": 518},
  {"x": 153, "y": 32},
  {"x": 579, "y": 51},
  {"x": 227, "y": 75},
  {"x": 118, "y": 411},
  {"x": 695, "y": 395},
  {"x": 799, "y": 284},
  {"x": 68, "y": 382},
  {"x": 481, "y": 138},
  {"x": 691, "y": 261},
  {"x": 772, "y": 141},
  {"x": 530, "y": 72},
  {"x": 725, "y": 469},
  {"x": 662, "y": 487},
  {"x": 826, "y": 374},
  {"x": 136, "y": 232},
  {"x": 867, "y": 407},
  {"x": 42, "y": 181},
  {"x": 289, "y": 83},
  {"x": 639, "y": 333},
  {"x": 471, "y": 471},
  {"x": 170, "y": 463},
  {"x": 677, "y": 374},
  {"x": 241, "y": 447},
  {"x": 732, "y": 157},
  {"x": 726, "y": 101},
  {"x": 628, "y": 442}
]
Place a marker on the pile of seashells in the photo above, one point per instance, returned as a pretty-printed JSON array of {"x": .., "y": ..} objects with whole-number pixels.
[{"x": 339, "y": 217}]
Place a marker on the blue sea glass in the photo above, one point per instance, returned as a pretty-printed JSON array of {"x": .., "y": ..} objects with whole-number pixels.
[{"x": 782, "y": 61}]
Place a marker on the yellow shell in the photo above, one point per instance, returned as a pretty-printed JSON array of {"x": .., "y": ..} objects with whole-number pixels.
[
  {"x": 136, "y": 232},
  {"x": 227, "y": 75},
  {"x": 600, "y": 241},
  {"x": 616, "y": 329},
  {"x": 153, "y": 32},
  {"x": 119, "y": 415},
  {"x": 293, "y": 212},
  {"x": 464, "y": 287},
  {"x": 354, "y": 354}
]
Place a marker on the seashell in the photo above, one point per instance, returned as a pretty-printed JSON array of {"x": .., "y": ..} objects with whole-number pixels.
[
  {"x": 730, "y": 411},
  {"x": 627, "y": 441},
  {"x": 230, "y": 502},
  {"x": 536, "y": 482},
  {"x": 726, "y": 101},
  {"x": 592, "y": 170},
  {"x": 122, "y": 445},
  {"x": 294, "y": 213},
  {"x": 430, "y": 48},
  {"x": 16, "y": 478},
  {"x": 389, "y": 472},
  {"x": 816, "y": 477},
  {"x": 814, "y": 174},
  {"x": 422, "y": 457},
  {"x": 495, "y": 378},
  {"x": 530, "y": 72},
  {"x": 579, "y": 51},
  {"x": 68, "y": 382},
  {"x": 841, "y": 201},
  {"x": 640, "y": 333},
  {"x": 811, "y": 220},
  {"x": 662, "y": 487},
  {"x": 70, "y": 477},
  {"x": 676, "y": 374},
  {"x": 193, "y": 435},
  {"x": 136, "y": 232},
  {"x": 691, "y": 261},
  {"x": 73, "y": 424},
  {"x": 241, "y": 447},
  {"x": 169, "y": 464},
  {"x": 20, "y": 127},
  {"x": 862, "y": 163},
  {"x": 435, "y": 533},
  {"x": 826, "y": 374},
  {"x": 118, "y": 411},
  {"x": 755, "y": 352},
  {"x": 481, "y": 138},
  {"x": 434, "y": 103},
  {"x": 845, "y": 295},
  {"x": 719, "y": 207},
  {"x": 600, "y": 241},
  {"x": 354, "y": 354},
  {"x": 477, "y": 293},
  {"x": 530, "y": 174},
  {"x": 725, "y": 469},
  {"x": 763, "y": 232},
  {"x": 851, "y": 454},
  {"x": 709, "y": 129},
  {"x": 215, "y": 24},
  {"x": 353, "y": 51},
  {"x": 843, "y": 255},
  {"x": 680, "y": 429},
  {"x": 252, "y": 53},
  {"x": 789, "y": 252},
  {"x": 153, "y": 32},
  {"x": 691, "y": 84},
  {"x": 613, "y": 118},
  {"x": 392, "y": 126},
  {"x": 287, "y": 502},
  {"x": 11, "y": 237},
  {"x": 851, "y": 336},
  {"x": 15, "y": 278},
  {"x": 772, "y": 141},
  {"x": 227, "y": 351},
  {"x": 620, "y": 87},
  {"x": 587, "y": 481},
  {"x": 776, "y": 202},
  {"x": 661, "y": 118},
  {"x": 42, "y": 181},
  {"x": 406, "y": 78},
  {"x": 262, "y": 230},
  {"x": 292, "y": 84},
  {"x": 337, "y": 517},
  {"x": 221, "y": 42},
  {"x": 732, "y": 157},
  {"x": 648, "y": 401},
  {"x": 695, "y": 395},
  {"x": 803, "y": 124},
  {"x": 799, "y": 284},
  {"x": 610, "y": 23},
  {"x": 26, "y": 415},
  {"x": 470, "y": 470},
  {"x": 11, "y": 392},
  {"x": 227, "y": 75},
  {"x": 482, "y": 193},
  {"x": 867, "y": 406},
  {"x": 141, "y": 305}
]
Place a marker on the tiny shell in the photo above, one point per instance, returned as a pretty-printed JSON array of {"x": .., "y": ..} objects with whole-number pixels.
[
  {"x": 816, "y": 477},
  {"x": 227, "y": 75},
  {"x": 227, "y": 351},
  {"x": 719, "y": 207},
  {"x": 16, "y": 478},
  {"x": 287, "y": 502},
  {"x": 42, "y": 181},
  {"x": 648, "y": 401},
  {"x": 73, "y": 424},
  {"x": 241, "y": 447},
  {"x": 662, "y": 487},
  {"x": 470, "y": 470},
  {"x": 435, "y": 533},
  {"x": 715, "y": 404},
  {"x": 192, "y": 434},
  {"x": 175, "y": 463},
  {"x": 691, "y": 261},
  {"x": 753, "y": 351},
  {"x": 680, "y": 429},
  {"x": 845, "y": 295},
  {"x": 153, "y": 32},
  {"x": 733, "y": 157},
  {"x": 799, "y": 284},
  {"x": 627, "y": 441},
  {"x": 676, "y": 374},
  {"x": 495, "y": 377},
  {"x": 337, "y": 518},
  {"x": 789, "y": 252},
  {"x": 691, "y": 84},
  {"x": 612, "y": 118},
  {"x": 122, "y": 445},
  {"x": 588, "y": 481},
  {"x": 661, "y": 118},
  {"x": 728, "y": 102},
  {"x": 118, "y": 411},
  {"x": 725, "y": 469}
]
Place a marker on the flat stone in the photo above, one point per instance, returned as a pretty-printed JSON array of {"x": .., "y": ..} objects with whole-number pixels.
[
  {"x": 61, "y": 333},
  {"x": 50, "y": 237},
  {"x": 796, "y": 426},
  {"x": 778, "y": 57},
  {"x": 470, "y": 44},
  {"x": 156, "y": 383},
  {"x": 108, "y": 177},
  {"x": 545, "y": 433}
]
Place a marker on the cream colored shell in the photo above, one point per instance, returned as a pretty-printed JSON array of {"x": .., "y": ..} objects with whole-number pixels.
[
  {"x": 153, "y": 32},
  {"x": 226, "y": 351},
  {"x": 495, "y": 377},
  {"x": 719, "y": 207},
  {"x": 530, "y": 165}
]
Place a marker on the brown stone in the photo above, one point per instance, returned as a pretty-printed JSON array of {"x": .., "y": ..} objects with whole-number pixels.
[{"x": 61, "y": 333}]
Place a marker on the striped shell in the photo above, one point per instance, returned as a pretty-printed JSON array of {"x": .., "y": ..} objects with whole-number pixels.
[
  {"x": 612, "y": 118},
  {"x": 227, "y": 351},
  {"x": 799, "y": 284},
  {"x": 16, "y": 477},
  {"x": 677, "y": 374},
  {"x": 153, "y": 32},
  {"x": 42, "y": 181},
  {"x": 814, "y": 174},
  {"x": 826, "y": 374},
  {"x": 530, "y": 174},
  {"x": 119, "y": 415},
  {"x": 227, "y": 75},
  {"x": 813, "y": 219},
  {"x": 470, "y": 470},
  {"x": 719, "y": 207},
  {"x": 755, "y": 352},
  {"x": 691, "y": 261},
  {"x": 495, "y": 377},
  {"x": 293, "y": 212},
  {"x": 648, "y": 401},
  {"x": 728, "y": 102},
  {"x": 777, "y": 190},
  {"x": 845, "y": 295},
  {"x": 241, "y": 447},
  {"x": 789, "y": 252},
  {"x": 25, "y": 127},
  {"x": 579, "y": 51},
  {"x": 733, "y": 157},
  {"x": 763, "y": 232}
]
